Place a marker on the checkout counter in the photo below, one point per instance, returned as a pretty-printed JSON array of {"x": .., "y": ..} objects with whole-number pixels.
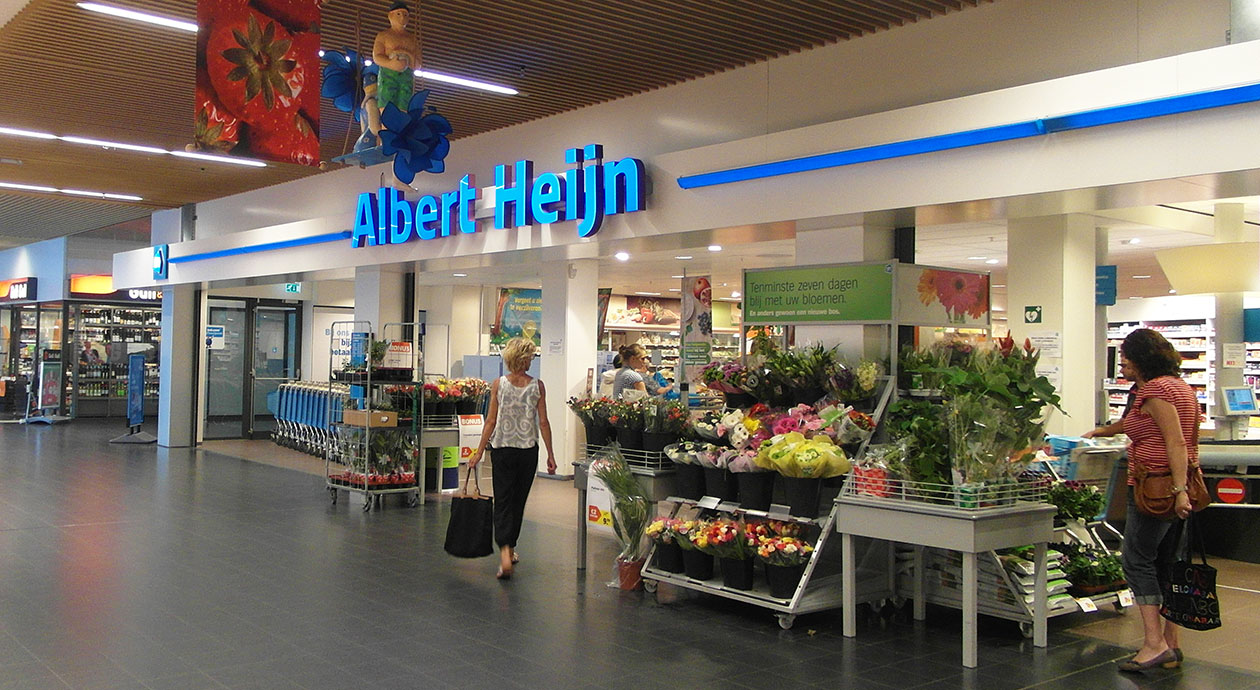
[{"x": 1231, "y": 525}]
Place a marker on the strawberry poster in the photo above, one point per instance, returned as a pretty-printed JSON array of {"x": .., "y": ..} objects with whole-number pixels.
[
  {"x": 697, "y": 325},
  {"x": 257, "y": 92}
]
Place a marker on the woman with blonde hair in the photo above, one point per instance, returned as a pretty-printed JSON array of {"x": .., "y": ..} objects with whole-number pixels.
[{"x": 517, "y": 416}]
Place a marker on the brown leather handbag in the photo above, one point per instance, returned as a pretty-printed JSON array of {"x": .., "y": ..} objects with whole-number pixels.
[{"x": 1153, "y": 494}]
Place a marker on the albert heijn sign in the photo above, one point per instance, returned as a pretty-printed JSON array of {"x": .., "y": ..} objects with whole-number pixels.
[
  {"x": 18, "y": 290},
  {"x": 585, "y": 194}
]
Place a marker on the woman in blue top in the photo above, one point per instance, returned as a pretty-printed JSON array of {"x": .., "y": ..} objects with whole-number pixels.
[{"x": 517, "y": 416}]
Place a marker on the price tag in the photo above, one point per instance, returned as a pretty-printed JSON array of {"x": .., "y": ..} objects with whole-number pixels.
[
  {"x": 708, "y": 502},
  {"x": 779, "y": 511},
  {"x": 1126, "y": 597},
  {"x": 1087, "y": 605},
  {"x": 728, "y": 507}
]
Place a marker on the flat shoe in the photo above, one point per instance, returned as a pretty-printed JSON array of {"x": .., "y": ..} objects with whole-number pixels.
[
  {"x": 1180, "y": 658},
  {"x": 516, "y": 558},
  {"x": 504, "y": 574},
  {"x": 1130, "y": 666}
]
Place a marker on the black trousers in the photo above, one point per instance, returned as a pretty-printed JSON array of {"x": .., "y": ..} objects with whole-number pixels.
[{"x": 512, "y": 470}]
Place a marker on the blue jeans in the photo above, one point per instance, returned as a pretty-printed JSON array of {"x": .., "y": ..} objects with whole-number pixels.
[{"x": 1149, "y": 550}]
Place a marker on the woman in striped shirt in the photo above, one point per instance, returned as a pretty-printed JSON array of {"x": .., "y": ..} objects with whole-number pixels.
[{"x": 1163, "y": 427}]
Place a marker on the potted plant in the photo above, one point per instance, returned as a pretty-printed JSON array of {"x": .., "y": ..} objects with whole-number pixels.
[
  {"x": 451, "y": 393},
  {"x": 1076, "y": 500},
  {"x": 1091, "y": 571},
  {"x": 785, "y": 559},
  {"x": 630, "y": 506},
  {"x": 668, "y": 555}
]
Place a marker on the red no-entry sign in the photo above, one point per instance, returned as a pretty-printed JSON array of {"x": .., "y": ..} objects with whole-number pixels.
[{"x": 1230, "y": 490}]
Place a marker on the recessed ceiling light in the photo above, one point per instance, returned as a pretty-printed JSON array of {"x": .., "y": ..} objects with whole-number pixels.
[
  {"x": 1172, "y": 292},
  {"x": 735, "y": 293},
  {"x": 999, "y": 309},
  {"x": 460, "y": 275},
  {"x": 1132, "y": 240},
  {"x": 140, "y": 16},
  {"x": 1135, "y": 298},
  {"x": 999, "y": 285},
  {"x": 715, "y": 247},
  {"x": 219, "y": 159},
  {"x": 470, "y": 83},
  {"x": 683, "y": 258},
  {"x": 622, "y": 256},
  {"x": 678, "y": 276},
  {"x": 673, "y": 332},
  {"x": 11, "y": 161},
  {"x": 1141, "y": 277},
  {"x": 26, "y": 133},
  {"x": 113, "y": 145},
  {"x": 649, "y": 294},
  {"x": 675, "y": 289},
  {"x": 977, "y": 258},
  {"x": 993, "y": 261}
]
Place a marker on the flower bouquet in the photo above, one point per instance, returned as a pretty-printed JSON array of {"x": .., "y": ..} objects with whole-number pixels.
[
  {"x": 755, "y": 483},
  {"x": 627, "y": 418},
  {"x": 697, "y": 559},
  {"x": 849, "y": 426},
  {"x": 593, "y": 414},
  {"x": 803, "y": 463},
  {"x": 472, "y": 391},
  {"x": 630, "y": 506},
  {"x": 689, "y": 476},
  {"x": 785, "y": 559},
  {"x": 661, "y": 423},
  {"x": 706, "y": 426},
  {"x": 668, "y": 553},
  {"x": 735, "y": 547},
  {"x": 799, "y": 375},
  {"x": 717, "y": 481}
]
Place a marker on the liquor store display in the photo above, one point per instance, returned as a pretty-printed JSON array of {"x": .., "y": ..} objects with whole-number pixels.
[{"x": 104, "y": 337}]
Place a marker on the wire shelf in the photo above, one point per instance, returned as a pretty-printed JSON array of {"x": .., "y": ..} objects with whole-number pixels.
[
  {"x": 968, "y": 498},
  {"x": 650, "y": 461}
]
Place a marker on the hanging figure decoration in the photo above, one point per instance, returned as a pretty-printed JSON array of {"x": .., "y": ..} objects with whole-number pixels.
[{"x": 394, "y": 120}]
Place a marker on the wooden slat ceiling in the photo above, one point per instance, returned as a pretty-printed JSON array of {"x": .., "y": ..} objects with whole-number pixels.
[{"x": 73, "y": 72}]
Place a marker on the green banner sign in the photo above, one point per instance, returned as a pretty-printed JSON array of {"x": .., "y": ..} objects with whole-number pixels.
[{"x": 819, "y": 294}]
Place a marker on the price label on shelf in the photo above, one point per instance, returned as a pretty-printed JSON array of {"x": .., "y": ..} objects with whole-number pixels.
[
  {"x": 1126, "y": 597},
  {"x": 1087, "y": 605},
  {"x": 708, "y": 502}
]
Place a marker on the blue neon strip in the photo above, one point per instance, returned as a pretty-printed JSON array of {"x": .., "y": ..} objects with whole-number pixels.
[
  {"x": 285, "y": 244},
  {"x": 1143, "y": 110}
]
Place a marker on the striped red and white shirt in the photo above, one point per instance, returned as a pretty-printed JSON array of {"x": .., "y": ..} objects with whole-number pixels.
[{"x": 1147, "y": 447}]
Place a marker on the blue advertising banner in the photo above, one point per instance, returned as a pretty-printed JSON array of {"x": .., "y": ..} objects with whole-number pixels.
[
  {"x": 1105, "y": 285},
  {"x": 518, "y": 316},
  {"x": 358, "y": 350},
  {"x": 135, "y": 390}
]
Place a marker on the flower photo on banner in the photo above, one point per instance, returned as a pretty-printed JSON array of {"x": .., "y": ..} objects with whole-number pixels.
[
  {"x": 963, "y": 296},
  {"x": 257, "y": 88}
]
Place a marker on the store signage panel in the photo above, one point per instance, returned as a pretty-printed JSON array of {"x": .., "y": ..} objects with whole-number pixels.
[
  {"x": 585, "y": 194},
  {"x": 1105, "y": 285},
  {"x": 101, "y": 287},
  {"x": 819, "y": 294},
  {"x": 18, "y": 290},
  {"x": 931, "y": 296}
]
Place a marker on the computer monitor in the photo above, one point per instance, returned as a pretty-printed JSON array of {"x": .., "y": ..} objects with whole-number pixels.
[{"x": 1240, "y": 400}]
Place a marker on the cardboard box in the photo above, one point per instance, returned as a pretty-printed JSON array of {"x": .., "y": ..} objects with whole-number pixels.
[{"x": 369, "y": 418}]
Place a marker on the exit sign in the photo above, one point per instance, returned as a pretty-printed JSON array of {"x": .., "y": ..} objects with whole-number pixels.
[{"x": 293, "y": 287}]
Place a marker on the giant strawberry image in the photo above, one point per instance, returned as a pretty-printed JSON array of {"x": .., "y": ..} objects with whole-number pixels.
[{"x": 263, "y": 75}]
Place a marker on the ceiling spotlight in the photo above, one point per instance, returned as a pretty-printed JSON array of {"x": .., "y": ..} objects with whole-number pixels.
[
  {"x": 1141, "y": 277},
  {"x": 622, "y": 256},
  {"x": 140, "y": 16},
  {"x": 1172, "y": 292},
  {"x": 1132, "y": 240},
  {"x": 715, "y": 247},
  {"x": 993, "y": 261},
  {"x": 683, "y": 258},
  {"x": 460, "y": 275}
]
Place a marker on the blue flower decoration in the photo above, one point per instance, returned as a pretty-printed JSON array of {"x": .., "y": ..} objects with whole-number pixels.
[
  {"x": 341, "y": 80},
  {"x": 416, "y": 139}
]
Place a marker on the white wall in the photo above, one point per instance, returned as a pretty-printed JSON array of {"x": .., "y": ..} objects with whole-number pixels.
[{"x": 44, "y": 261}]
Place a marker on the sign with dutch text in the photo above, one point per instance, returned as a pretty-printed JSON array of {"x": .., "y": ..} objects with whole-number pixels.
[
  {"x": 840, "y": 293},
  {"x": 135, "y": 390}
]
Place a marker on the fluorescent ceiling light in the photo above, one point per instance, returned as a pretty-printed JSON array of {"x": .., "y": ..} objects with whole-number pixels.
[
  {"x": 683, "y": 258},
  {"x": 71, "y": 192},
  {"x": 622, "y": 256},
  {"x": 977, "y": 258},
  {"x": 1132, "y": 240},
  {"x": 26, "y": 133},
  {"x": 113, "y": 145},
  {"x": 715, "y": 247},
  {"x": 650, "y": 294},
  {"x": 999, "y": 285},
  {"x": 140, "y": 16},
  {"x": 678, "y": 276},
  {"x": 470, "y": 83},
  {"x": 460, "y": 275},
  {"x": 1141, "y": 277},
  {"x": 675, "y": 289},
  {"x": 218, "y": 159},
  {"x": 27, "y": 187},
  {"x": 992, "y": 261}
]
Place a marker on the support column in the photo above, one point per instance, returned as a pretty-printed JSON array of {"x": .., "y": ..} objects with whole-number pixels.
[
  {"x": 1102, "y": 412},
  {"x": 570, "y": 305},
  {"x": 825, "y": 241},
  {"x": 181, "y": 341},
  {"x": 378, "y": 296},
  {"x": 1051, "y": 266},
  {"x": 1230, "y": 227}
]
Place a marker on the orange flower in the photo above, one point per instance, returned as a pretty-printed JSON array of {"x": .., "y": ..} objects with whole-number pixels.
[{"x": 927, "y": 287}]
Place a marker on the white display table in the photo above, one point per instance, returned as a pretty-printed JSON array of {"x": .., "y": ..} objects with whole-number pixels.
[{"x": 968, "y": 532}]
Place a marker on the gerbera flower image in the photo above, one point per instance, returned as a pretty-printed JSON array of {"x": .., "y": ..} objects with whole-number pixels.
[
  {"x": 961, "y": 293},
  {"x": 927, "y": 287}
]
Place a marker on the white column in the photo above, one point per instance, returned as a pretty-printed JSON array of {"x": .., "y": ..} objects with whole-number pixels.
[
  {"x": 1051, "y": 265},
  {"x": 378, "y": 296},
  {"x": 570, "y": 306},
  {"x": 825, "y": 241},
  {"x": 181, "y": 341},
  {"x": 1230, "y": 227},
  {"x": 1101, "y": 395}
]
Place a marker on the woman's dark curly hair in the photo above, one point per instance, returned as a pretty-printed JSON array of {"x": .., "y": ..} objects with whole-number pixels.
[{"x": 1151, "y": 354}]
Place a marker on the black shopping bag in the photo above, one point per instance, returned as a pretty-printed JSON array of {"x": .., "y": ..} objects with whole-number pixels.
[
  {"x": 1190, "y": 595},
  {"x": 470, "y": 533}
]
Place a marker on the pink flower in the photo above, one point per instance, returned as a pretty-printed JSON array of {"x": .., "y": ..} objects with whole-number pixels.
[
  {"x": 961, "y": 292},
  {"x": 814, "y": 424},
  {"x": 785, "y": 425}
]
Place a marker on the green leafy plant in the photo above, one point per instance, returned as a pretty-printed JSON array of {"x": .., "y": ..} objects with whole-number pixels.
[
  {"x": 921, "y": 426},
  {"x": 631, "y": 504},
  {"x": 1076, "y": 500},
  {"x": 1090, "y": 567}
]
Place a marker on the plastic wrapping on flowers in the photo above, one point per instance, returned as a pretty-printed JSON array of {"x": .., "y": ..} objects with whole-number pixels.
[
  {"x": 710, "y": 456},
  {"x": 784, "y": 551},
  {"x": 630, "y": 503},
  {"x": 793, "y": 455},
  {"x": 661, "y": 530}
]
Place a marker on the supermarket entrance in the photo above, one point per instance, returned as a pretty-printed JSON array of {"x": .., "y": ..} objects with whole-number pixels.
[{"x": 257, "y": 348}]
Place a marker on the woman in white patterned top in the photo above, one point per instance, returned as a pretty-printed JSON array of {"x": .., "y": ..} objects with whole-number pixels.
[{"x": 517, "y": 416}]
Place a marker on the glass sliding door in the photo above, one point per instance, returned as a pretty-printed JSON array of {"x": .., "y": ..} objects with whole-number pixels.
[
  {"x": 225, "y": 370},
  {"x": 260, "y": 350},
  {"x": 276, "y": 359}
]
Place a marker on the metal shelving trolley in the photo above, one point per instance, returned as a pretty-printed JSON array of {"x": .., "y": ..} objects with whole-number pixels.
[{"x": 373, "y": 412}]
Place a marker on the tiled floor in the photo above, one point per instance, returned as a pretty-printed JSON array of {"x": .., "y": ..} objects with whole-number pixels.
[{"x": 136, "y": 567}]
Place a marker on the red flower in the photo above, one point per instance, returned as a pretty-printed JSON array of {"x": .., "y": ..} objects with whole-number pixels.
[{"x": 960, "y": 292}]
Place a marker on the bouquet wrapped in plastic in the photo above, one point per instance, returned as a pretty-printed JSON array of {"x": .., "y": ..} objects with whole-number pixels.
[{"x": 793, "y": 455}]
